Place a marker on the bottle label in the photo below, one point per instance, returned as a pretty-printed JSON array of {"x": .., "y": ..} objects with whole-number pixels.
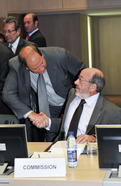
[{"x": 72, "y": 155}]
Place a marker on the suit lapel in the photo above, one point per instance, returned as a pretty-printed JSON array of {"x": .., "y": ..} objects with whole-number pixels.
[
  {"x": 33, "y": 35},
  {"x": 25, "y": 78},
  {"x": 7, "y": 45},
  {"x": 51, "y": 69},
  {"x": 96, "y": 113},
  {"x": 70, "y": 99},
  {"x": 20, "y": 44}
]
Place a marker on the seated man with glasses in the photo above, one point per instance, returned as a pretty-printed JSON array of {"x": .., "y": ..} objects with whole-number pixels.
[
  {"x": 12, "y": 31},
  {"x": 96, "y": 109}
]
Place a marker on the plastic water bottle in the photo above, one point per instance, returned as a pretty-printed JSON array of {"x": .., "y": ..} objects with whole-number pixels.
[{"x": 71, "y": 151}]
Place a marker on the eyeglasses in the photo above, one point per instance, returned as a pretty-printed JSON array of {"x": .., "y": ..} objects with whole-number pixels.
[
  {"x": 83, "y": 80},
  {"x": 9, "y": 31}
]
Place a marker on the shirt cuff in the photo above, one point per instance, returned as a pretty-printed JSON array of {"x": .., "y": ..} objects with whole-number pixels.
[
  {"x": 48, "y": 128},
  {"x": 26, "y": 115}
]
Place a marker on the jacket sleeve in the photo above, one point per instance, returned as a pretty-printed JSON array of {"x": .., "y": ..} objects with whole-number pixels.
[
  {"x": 55, "y": 125},
  {"x": 10, "y": 94},
  {"x": 73, "y": 64}
]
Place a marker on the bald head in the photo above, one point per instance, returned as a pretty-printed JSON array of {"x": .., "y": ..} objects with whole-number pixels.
[
  {"x": 90, "y": 72},
  {"x": 30, "y": 14},
  {"x": 32, "y": 59},
  {"x": 95, "y": 76},
  {"x": 28, "y": 52}
]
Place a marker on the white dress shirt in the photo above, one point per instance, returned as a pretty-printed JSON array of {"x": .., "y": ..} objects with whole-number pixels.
[
  {"x": 15, "y": 45},
  {"x": 53, "y": 98},
  {"x": 85, "y": 116}
]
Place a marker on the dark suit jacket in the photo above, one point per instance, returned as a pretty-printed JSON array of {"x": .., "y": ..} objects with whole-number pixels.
[
  {"x": 62, "y": 67},
  {"x": 5, "y": 55},
  {"x": 22, "y": 42},
  {"x": 105, "y": 112},
  {"x": 38, "y": 39}
]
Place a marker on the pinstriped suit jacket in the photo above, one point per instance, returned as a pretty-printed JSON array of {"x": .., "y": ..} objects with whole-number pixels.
[{"x": 62, "y": 67}]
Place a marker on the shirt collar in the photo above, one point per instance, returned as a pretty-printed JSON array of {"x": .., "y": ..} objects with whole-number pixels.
[
  {"x": 90, "y": 100},
  {"x": 15, "y": 44},
  {"x": 33, "y": 32}
]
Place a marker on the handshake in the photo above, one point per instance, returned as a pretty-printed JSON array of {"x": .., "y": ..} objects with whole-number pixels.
[{"x": 39, "y": 120}]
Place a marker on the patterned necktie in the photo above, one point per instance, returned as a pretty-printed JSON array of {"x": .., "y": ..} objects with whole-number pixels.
[
  {"x": 27, "y": 37},
  {"x": 42, "y": 96},
  {"x": 76, "y": 117},
  {"x": 10, "y": 46}
]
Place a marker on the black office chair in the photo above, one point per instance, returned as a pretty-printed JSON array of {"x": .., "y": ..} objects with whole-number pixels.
[{"x": 8, "y": 119}]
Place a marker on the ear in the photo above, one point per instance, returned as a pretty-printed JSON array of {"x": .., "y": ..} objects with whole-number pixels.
[
  {"x": 26, "y": 68},
  {"x": 94, "y": 87},
  {"x": 36, "y": 23},
  {"x": 19, "y": 31}
]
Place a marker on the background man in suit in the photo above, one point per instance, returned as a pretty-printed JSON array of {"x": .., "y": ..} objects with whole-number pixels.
[
  {"x": 33, "y": 33},
  {"x": 12, "y": 31},
  {"x": 59, "y": 68},
  {"x": 96, "y": 110},
  {"x": 5, "y": 55}
]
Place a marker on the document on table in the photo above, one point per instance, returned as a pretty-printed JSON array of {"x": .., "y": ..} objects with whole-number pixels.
[{"x": 58, "y": 150}]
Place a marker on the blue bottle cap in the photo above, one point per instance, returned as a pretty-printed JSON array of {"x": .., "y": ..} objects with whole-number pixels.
[{"x": 71, "y": 133}]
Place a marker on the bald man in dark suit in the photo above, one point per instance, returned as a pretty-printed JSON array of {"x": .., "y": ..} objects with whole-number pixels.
[{"x": 33, "y": 33}]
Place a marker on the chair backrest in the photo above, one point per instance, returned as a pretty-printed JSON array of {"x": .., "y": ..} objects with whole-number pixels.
[{"x": 8, "y": 119}]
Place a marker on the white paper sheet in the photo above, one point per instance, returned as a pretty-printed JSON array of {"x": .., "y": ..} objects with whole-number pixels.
[{"x": 58, "y": 150}]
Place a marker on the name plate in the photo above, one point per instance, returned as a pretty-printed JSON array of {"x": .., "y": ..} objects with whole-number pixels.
[{"x": 39, "y": 167}]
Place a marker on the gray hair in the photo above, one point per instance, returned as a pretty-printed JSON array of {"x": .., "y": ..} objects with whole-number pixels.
[
  {"x": 12, "y": 19},
  {"x": 99, "y": 81}
]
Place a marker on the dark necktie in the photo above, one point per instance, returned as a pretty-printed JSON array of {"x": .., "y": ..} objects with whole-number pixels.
[
  {"x": 27, "y": 37},
  {"x": 75, "y": 118},
  {"x": 11, "y": 47},
  {"x": 42, "y": 96}
]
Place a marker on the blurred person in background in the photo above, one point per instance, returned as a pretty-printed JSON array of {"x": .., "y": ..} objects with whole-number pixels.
[{"x": 33, "y": 33}]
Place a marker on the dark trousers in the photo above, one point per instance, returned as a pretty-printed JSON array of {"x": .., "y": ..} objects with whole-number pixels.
[
  {"x": 4, "y": 109},
  {"x": 34, "y": 134}
]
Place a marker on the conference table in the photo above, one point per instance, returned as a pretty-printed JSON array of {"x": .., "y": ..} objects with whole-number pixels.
[{"x": 86, "y": 173}]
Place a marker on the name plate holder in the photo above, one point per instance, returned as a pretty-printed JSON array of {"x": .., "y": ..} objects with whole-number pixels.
[
  {"x": 39, "y": 167},
  {"x": 119, "y": 171},
  {"x": 3, "y": 167}
]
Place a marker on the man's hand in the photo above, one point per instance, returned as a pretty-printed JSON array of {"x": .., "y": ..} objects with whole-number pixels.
[
  {"x": 85, "y": 138},
  {"x": 39, "y": 120}
]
